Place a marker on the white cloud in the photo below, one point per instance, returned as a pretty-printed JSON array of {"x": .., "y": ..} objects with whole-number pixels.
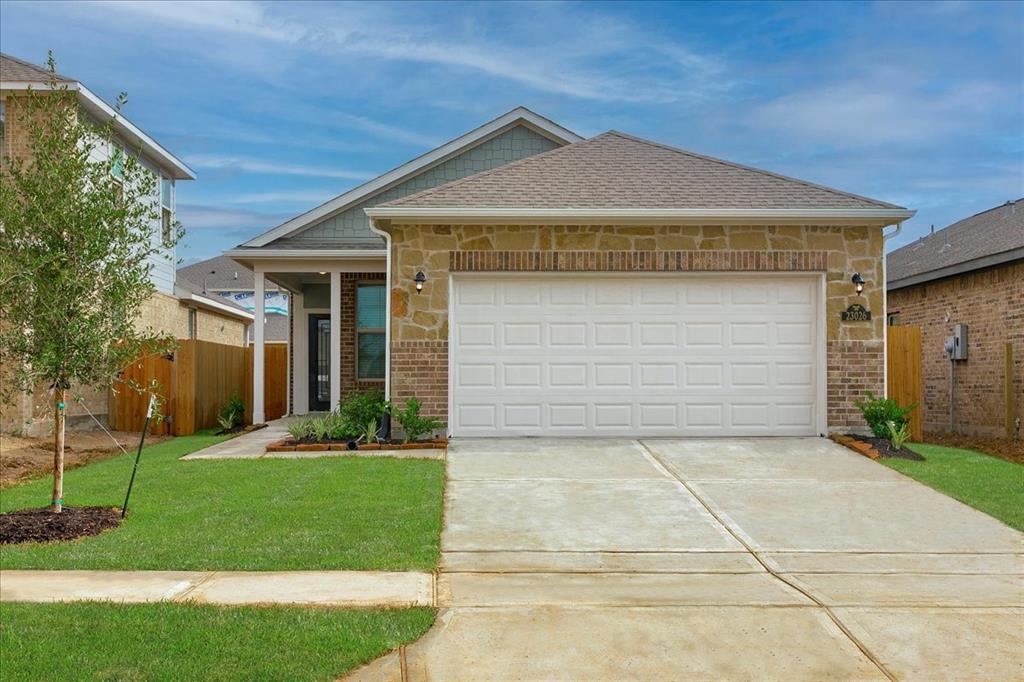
[
  {"x": 578, "y": 64},
  {"x": 201, "y": 217},
  {"x": 890, "y": 109},
  {"x": 296, "y": 196},
  {"x": 251, "y": 165}
]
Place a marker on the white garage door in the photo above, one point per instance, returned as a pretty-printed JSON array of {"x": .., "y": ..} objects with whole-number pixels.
[{"x": 655, "y": 356}]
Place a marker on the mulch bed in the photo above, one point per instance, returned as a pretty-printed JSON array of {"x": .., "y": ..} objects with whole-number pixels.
[
  {"x": 1012, "y": 450},
  {"x": 885, "y": 448},
  {"x": 292, "y": 445},
  {"x": 241, "y": 429},
  {"x": 41, "y": 525}
]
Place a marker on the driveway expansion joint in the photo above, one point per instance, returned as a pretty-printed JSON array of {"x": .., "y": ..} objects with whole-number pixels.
[{"x": 769, "y": 566}]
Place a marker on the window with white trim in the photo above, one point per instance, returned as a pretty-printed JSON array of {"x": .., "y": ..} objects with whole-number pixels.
[
  {"x": 166, "y": 209},
  {"x": 370, "y": 339}
]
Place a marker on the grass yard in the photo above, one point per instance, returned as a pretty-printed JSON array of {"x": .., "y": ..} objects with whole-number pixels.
[
  {"x": 103, "y": 641},
  {"x": 339, "y": 513},
  {"x": 992, "y": 485}
]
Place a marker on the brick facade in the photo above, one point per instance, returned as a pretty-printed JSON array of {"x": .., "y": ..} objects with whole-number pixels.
[
  {"x": 349, "y": 381},
  {"x": 991, "y": 303},
  {"x": 419, "y": 361}
]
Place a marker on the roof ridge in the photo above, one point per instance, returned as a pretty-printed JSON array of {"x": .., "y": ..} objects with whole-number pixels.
[
  {"x": 761, "y": 171},
  {"x": 487, "y": 173}
]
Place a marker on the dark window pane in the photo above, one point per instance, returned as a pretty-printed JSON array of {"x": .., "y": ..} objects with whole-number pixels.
[
  {"x": 371, "y": 355},
  {"x": 370, "y": 306}
]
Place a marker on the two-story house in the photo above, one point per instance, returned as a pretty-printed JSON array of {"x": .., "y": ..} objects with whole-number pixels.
[{"x": 176, "y": 307}]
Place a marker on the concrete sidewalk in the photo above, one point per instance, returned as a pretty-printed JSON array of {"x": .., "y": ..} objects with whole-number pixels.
[{"x": 354, "y": 589}]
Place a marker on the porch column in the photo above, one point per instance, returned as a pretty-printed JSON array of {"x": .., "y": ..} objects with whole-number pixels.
[
  {"x": 335, "y": 339},
  {"x": 258, "y": 412}
]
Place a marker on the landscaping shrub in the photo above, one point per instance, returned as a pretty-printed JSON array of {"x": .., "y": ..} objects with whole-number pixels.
[
  {"x": 898, "y": 433},
  {"x": 232, "y": 414},
  {"x": 301, "y": 429},
  {"x": 412, "y": 423},
  {"x": 878, "y": 412},
  {"x": 360, "y": 407}
]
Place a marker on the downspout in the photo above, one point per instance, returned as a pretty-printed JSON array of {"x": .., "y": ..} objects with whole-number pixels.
[
  {"x": 885, "y": 309},
  {"x": 387, "y": 306}
]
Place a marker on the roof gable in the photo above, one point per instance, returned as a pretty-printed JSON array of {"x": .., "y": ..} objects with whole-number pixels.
[
  {"x": 520, "y": 116},
  {"x": 982, "y": 240},
  {"x": 619, "y": 171}
]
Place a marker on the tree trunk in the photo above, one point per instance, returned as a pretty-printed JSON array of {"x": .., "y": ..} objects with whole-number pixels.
[{"x": 57, "y": 502}]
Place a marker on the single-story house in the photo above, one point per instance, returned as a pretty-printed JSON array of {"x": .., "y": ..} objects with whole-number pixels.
[
  {"x": 522, "y": 280},
  {"x": 227, "y": 281},
  {"x": 970, "y": 273}
]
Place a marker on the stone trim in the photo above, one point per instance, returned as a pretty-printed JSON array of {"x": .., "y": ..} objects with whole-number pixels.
[{"x": 638, "y": 261}]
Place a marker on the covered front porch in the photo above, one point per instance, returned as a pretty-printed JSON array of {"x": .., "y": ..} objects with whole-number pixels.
[{"x": 337, "y": 329}]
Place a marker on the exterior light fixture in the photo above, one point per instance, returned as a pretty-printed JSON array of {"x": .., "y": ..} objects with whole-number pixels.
[
  {"x": 322, "y": 273},
  {"x": 420, "y": 278},
  {"x": 858, "y": 282}
]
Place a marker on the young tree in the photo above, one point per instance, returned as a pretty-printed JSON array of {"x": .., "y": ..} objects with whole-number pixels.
[{"x": 79, "y": 228}]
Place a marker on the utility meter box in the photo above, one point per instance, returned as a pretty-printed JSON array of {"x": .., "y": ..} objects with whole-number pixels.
[{"x": 959, "y": 338}]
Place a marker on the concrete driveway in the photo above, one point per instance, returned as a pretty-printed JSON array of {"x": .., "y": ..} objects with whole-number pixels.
[{"x": 749, "y": 559}]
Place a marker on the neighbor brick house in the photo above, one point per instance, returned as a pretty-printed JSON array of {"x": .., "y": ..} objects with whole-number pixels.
[
  {"x": 972, "y": 273},
  {"x": 175, "y": 308},
  {"x": 601, "y": 286}
]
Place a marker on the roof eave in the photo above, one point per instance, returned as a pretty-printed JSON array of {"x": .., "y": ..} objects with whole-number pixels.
[
  {"x": 957, "y": 269},
  {"x": 200, "y": 301},
  {"x": 92, "y": 103},
  {"x": 845, "y": 216}
]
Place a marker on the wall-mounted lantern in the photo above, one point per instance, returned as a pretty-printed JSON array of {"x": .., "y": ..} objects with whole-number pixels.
[
  {"x": 420, "y": 278},
  {"x": 858, "y": 282}
]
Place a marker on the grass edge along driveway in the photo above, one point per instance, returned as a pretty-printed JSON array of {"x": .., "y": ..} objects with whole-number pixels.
[
  {"x": 259, "y": 515},
  {"x": 166, "y": 641},
  {"x": 989, "y": 484}
]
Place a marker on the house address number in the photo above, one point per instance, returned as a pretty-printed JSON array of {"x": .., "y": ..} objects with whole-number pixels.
[{"x": 856, "y": 313}]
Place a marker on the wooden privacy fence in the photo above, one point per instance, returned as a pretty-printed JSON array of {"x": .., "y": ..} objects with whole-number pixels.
[
  {"x": 903, "y": 374},
  {"x": 196, "y": 383}
]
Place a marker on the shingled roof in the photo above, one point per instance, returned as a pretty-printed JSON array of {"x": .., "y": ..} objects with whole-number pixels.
[
  {"x": 16, "y": 70},
  {"x": 985, "y": 239},
  {"x": 619, "y": 171}
]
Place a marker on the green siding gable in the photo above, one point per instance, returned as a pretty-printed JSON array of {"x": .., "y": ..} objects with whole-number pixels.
[{"x": 352, "y": 225}]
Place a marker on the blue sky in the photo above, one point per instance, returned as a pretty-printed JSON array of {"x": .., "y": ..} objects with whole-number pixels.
[{"x": 280, "y": 106}]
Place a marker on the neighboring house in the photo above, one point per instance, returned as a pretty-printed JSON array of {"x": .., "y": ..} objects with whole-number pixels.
[
  {"x": 972, "y": 273},
  {"x": 569, "y": 286},
  {"x": 174, "y": 309},
  {"x": 224, "y": 278}
]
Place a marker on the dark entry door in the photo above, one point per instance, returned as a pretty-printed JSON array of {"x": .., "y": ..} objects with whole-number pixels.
[{"x": 319, "y": 363}]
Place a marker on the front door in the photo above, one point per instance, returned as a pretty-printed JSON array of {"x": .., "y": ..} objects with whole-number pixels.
[{"x": 319, "y": 363}]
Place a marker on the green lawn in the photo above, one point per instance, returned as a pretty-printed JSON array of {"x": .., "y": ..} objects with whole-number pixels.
[
  {"x": 338, "y": 513},
  {"x": 989, "y": 484},
  {"x": 102, "y": 641}
]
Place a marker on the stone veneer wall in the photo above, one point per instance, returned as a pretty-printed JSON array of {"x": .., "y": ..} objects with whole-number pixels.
[
  {"x": 419, "y": 353},
  {"x": 991, "y": 303}
]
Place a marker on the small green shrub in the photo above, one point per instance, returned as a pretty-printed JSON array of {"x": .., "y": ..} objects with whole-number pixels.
[
  {"x": 369, "y": 434},
  {"x": 301, "y": 428},
  {"x": 232, "y": 413},
  {"x": 359, "y": 407},
  {"x": 878, "y": 412},
  {"x": 412, "y": 423},
  {"x": 898, "y": 433}
]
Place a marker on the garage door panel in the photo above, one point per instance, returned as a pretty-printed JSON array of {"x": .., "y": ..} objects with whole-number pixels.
[{"x": 655, "y": 356}]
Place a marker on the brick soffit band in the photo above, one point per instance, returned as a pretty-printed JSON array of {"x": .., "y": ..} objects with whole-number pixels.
[{"x": 638, "y": 261}]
